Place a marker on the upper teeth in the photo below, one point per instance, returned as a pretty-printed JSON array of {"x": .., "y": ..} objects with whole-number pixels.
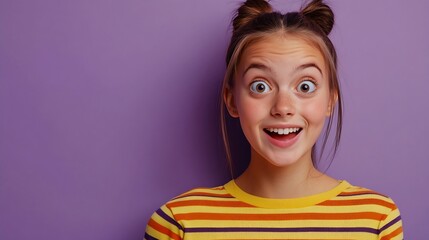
[{"x": 282, "y": 131}]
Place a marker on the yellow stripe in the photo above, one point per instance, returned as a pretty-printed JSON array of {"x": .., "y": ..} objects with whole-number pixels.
[{"x": 235, "y": 191}]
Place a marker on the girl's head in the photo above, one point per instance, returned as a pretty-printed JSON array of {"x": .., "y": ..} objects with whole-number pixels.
[{"x": 281, "y": 77}]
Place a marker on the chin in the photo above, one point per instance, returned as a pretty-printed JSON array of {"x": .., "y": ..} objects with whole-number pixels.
[
  {"x": 285, "y": 158},
  {"x": 284, "y": 162}
]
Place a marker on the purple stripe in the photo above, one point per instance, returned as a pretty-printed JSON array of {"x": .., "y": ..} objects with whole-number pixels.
[
  {"x": 397, "y": 219},
  {"x": 169, "y": 219},
  {"x": 148, "y": 237},
  {"x": 304, "y": 229}
]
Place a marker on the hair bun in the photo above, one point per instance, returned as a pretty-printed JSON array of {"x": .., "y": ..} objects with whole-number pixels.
[
  {"x": 320, "y": 14},
  {"x": 248, "y": 11}
]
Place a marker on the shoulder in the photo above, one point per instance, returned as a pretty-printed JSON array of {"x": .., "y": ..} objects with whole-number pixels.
[
  {"x": 167, "y": 221},
  {"x": 365, "y": 197},
  {"x": 373, "y": 205},
  {"x": 203, "y": 193},
  {"x": 353, "y": 190},
  {"x": 199, "y": 197}
]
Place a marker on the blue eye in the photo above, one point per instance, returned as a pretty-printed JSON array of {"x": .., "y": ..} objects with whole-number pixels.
[
  {"x": 307, "y": 86},
  {"x": 259, "y": 87}
]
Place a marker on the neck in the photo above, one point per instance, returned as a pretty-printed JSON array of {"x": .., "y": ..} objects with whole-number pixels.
[{"x": 295, "y": 180}]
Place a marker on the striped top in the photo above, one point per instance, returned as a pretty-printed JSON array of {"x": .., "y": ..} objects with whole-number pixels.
[{"x": 227, "y": 212}]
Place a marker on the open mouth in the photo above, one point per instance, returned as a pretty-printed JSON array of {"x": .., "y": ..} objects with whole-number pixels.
[{"x": 282, "y": 133}]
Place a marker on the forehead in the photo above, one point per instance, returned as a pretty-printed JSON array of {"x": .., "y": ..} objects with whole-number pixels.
[{"x": 286, "y": 48}]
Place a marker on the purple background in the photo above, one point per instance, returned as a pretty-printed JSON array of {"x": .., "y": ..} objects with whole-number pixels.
[{"x": 109, "y": 108}]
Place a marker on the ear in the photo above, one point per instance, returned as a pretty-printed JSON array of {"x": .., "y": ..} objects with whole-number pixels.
[
  {"x": 331, "y": 104},
  {"x": 228, "y": 99}
]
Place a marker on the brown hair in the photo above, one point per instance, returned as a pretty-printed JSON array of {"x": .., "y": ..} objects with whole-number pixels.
[{"x": 256, "y": 20}]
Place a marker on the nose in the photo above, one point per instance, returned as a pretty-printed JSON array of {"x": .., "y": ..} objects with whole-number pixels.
[{"x": 283, "y": 105}]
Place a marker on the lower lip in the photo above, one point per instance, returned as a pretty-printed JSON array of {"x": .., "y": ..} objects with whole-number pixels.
[{"x": 283, "y": 143}]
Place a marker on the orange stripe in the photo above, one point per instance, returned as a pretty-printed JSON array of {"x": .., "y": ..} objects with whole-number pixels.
[
  {"x": 360, "y": 192},
  {"x": 225, "y": 195},
  {"x": 187, "y": 203},
  {"x": 358, "y": 202},
  {"x": 292, "y": 216},
  {"x": 158, "y": 227},
  {"x": 392, "y": 234}
]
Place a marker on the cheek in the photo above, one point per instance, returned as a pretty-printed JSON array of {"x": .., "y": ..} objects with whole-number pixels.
[
  {"x": 248, "y": 110},
  {"x": 315, "y": 111},
  {"x": 243, "y": 103}
]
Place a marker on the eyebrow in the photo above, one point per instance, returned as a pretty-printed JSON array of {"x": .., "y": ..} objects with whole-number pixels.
[
  {"x": 308, "y": 65},
  {"x": 266, "y": 68},
  {"x": 257, "y": 66}
]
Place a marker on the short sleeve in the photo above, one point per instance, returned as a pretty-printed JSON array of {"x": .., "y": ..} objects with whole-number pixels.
[
  {"x": 163, "y": 226},
  {"x": 391, "y": 226}
]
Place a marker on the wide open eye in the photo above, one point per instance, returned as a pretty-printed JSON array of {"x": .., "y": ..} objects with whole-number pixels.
[
  {"x": 259, "y": 87},
  {"x": 306, "y": 86}
]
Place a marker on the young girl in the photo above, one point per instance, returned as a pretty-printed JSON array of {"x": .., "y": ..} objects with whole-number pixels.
[{"x": 281, "y": 83}]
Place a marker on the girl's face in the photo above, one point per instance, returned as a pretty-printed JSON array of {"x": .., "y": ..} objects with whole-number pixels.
[{"x": 281, "y": 96}]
